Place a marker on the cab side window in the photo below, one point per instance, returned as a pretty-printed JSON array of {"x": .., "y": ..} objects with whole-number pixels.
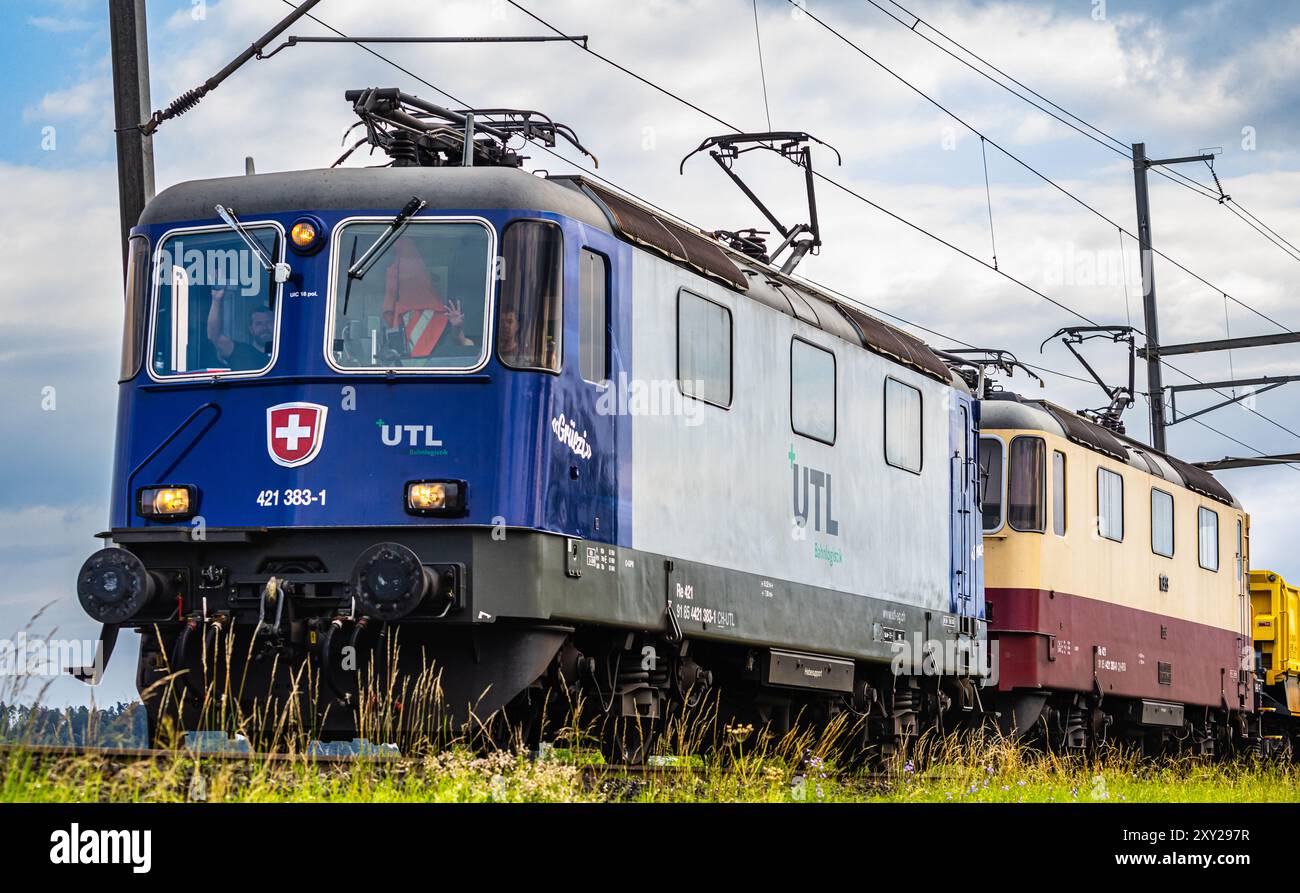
[
  {"x": 1207, "y": 535},
  {"x": 1027, "y": 485},
  {"x": 1162, "y": 523},
  {"x": 990, "y": 460},
  {"x": 1110, "y": 505},
  {"x": 593, "y": 289},
  {"x": 529, "y": 310}
]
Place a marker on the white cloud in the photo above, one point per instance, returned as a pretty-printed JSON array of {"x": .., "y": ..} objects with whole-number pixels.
[
  {"x": 64, "y": 226},
  {"x": 59, "y": 25}
]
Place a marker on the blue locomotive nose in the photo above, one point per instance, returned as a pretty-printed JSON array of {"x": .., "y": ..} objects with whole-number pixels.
[
  {"x": 389, "y": 581},
  {"x": 114, "y": 585}
]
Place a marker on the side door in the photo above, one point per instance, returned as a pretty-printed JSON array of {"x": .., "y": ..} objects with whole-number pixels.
[
  {"x": 965, "y": 564},
  {"x": 586, "y": 417}
]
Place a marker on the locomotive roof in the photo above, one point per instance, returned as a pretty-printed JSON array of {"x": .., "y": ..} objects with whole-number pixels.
[
  {"x": 354, "y": 189},
  {"x": 491, "y": 188},
  {"x": 1010, "y": 411}
]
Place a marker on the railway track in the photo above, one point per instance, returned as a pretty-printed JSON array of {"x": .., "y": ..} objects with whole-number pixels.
[
  {"x": 141, "y": 754},
  {"x": 591, "y": 771}
]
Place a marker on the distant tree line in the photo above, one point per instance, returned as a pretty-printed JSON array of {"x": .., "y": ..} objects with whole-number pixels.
[{"x": 122, "y": 725}]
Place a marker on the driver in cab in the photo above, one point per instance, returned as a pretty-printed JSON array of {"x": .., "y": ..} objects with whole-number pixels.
[
  {"x": 240, "y": 356},
  {"x": 415, "y": 315}
]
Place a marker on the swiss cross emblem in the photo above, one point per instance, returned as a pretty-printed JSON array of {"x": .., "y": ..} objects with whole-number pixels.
[{"x": 294, "y": 433}]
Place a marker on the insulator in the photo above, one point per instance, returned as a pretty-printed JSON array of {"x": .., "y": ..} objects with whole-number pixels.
[
  {"x": 183, "y": 103},
  {"x": 403, "y": 151}
]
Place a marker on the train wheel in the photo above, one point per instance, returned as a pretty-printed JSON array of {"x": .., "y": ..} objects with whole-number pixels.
[{"x": 629, "y": 740}]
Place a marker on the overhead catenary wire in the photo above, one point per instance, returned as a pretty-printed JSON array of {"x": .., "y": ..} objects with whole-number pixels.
[
  {"x": 606, "y": 181},
  {"x": 1227, "y": 333},
  {"x": 830, "y": 181},
  {"x": 1037, "y": 173},
  {"x": 1123, "y": 272},
  {"x": 762, "y": 71},
  {"x": 848, "y": 190},
  {"x": 1016, "y": 158},
  {"x": 710, "y": 115},
  {"x": 988, "y": 195},
  {"x": 820, "y": 176},
  {"x": 1106, "y": 140},
  {"x": 1243, "y": 210}
]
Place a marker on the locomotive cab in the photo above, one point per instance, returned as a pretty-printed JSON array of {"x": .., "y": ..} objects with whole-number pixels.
[{"x": 335, "y": 415}]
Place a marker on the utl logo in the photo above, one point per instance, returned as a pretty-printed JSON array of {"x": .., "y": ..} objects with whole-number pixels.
[
  {"x": 411, "y": 435},
  {"x": 809, "y": 482},
  {"x": 294, "y": 433}
]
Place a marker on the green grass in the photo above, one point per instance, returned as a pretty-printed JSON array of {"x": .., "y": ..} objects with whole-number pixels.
[
  {"x": 698, "y": 759},
  {"x": 990, "y": 773}
]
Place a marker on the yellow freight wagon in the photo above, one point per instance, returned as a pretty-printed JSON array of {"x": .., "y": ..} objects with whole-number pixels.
[{"x": 1275, "y": 610}]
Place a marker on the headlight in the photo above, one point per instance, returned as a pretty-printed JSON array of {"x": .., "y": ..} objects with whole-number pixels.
[
  {"x": 305, "y": 235},
  {"x": 169, "y": 503},
  {"x": 445, "y": 498}
]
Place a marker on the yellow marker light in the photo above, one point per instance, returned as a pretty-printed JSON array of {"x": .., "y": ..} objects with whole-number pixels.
[
  {"x": 166, "y": 502},
  {"x": 426, "y": 497},
  {"x": 303, "y": 234}
]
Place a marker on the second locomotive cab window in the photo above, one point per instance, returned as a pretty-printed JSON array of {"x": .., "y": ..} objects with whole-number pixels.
[
  {"x": 1027, "y": 485},
  {"x": 216, "y": 310},
  {"x": 991, "y": 482},
  {"x": 812, "y": 391},
  {"x": 1110, "y": 505},
  {"x": 1162, "y": 523},
  {"x": 420, "y": 305},
  {"x": 902, "y": 425},
  {"x": 593, "y": 339},
  {"x": 529, "y": 311},
  {"x": 1208, "y": 538},
  {"x": 703, "y": 349}
]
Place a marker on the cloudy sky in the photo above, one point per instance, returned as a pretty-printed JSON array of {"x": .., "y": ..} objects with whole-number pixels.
[{"x": 1181, "y": 76}]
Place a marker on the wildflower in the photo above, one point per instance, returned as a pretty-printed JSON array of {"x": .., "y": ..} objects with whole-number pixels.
[{"x": 909, "y": 767}]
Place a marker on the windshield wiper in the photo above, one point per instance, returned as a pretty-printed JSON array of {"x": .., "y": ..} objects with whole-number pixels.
[
  {"x": 280, "y": 271},
  {"x": 359, "y": 269}
]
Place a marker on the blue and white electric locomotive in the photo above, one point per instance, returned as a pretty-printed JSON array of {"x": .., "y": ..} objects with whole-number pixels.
[{"x": 554, "y": 438}]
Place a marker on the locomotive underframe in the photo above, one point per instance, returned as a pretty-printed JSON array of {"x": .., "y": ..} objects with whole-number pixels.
[{"x": 518, "y": 618}]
